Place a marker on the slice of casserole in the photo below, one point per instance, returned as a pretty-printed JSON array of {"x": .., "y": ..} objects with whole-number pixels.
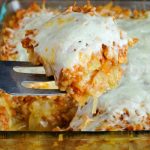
[{"x": 84, "y": 52}]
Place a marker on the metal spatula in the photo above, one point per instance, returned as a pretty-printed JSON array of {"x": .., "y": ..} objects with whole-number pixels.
[{"x": 10, "y": 80}]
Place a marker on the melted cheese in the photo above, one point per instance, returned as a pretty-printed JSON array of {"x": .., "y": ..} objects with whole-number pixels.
[
  {"x": 133, "y": 93},
  {"x": 69, "y": 39},
  {"x": 30, "y": 21}
]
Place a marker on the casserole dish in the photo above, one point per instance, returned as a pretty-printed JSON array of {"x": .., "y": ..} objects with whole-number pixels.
[
  {"x": 75, "y": 140},
  {"x": 133, "y": 139},
  {"x": 102, "y": 68}
]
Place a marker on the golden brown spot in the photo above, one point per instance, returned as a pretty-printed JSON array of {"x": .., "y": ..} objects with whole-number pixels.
[{"x": 46, "y": 49}]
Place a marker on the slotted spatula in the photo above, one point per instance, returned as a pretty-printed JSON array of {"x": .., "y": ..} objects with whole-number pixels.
[{"x": 11, "y": 81}]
